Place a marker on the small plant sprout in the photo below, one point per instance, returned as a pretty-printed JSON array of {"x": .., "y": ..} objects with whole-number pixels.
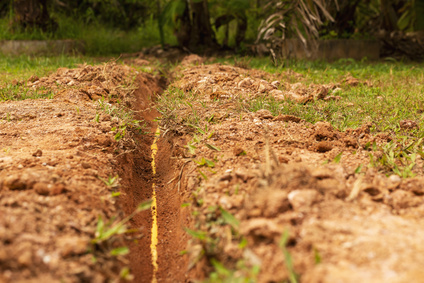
[
  {"x": 287, "y": 257},
  {"x": 105, "y": 231},
  {"x": 97, "y": 118},
  {"x": 111, "y": 182}
]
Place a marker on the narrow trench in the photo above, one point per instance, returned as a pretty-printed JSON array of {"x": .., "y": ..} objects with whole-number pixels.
[{"x": 138, "y": 181}]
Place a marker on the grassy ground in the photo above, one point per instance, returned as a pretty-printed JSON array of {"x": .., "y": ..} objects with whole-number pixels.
[
  {"x": 98, "y": 39},
  {"x": 394, "y": 93},
  {"x": 15, "y": 71}
]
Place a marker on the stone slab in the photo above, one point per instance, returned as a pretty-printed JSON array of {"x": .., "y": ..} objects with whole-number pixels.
[
  {"x": 41, "y": 47},
  {"x": 332, "y": 49}
]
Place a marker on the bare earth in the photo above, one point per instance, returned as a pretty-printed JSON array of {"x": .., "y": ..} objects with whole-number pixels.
[{"x": 275, "y": 175}]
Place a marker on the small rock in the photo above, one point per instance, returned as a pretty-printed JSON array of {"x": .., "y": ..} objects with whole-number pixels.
[
  {"x": 242, "y": 175},
  {"x": 320, "y": 92},
  {"x": 264, "y": 114},
  {"x": 238, "y": 151},
  {"x": 283, "y": 159},
  {"x": 246, "y": 82},
  {"x": 324, "y": 146},
  {"x": 276, "y": 92},
  {"x": 57, "y": 189},
  {"x": 275, "y": 84},
  {"x": 33, "y": 78},
  {"x": 287, "y": 118},
  {"x": 25, "y": 259},
  {"x": 38, "y": 153},
  {"x": 15, "y": 183},
  {"x": 72, "y": 246},
  {"x": 350, "y": 142},
  {"x": 52, "y": 162},
  {"x": 322, "y": 173},
  {"x": 42, "y": 189},
  {"x": 85, "y": 165},
  {"x": 333, "y": 97},
  {"x": 226, "y": 177},
  {"x": 302, "y": 199},
  {"x": 395, "y": 181},
  {"x": 104, "y": 141}
]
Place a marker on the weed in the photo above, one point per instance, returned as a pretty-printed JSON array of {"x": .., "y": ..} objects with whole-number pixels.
[
  {"x": 124, "y": 117},
  {"x": 338, "y": 157},
  {"x": 293, "y": 278},
  {"x": 15, "y": 92},
  {"x": 397, "y": 157},
  {"x": 205, "y": 162},
  {"x": 109, "y": 237},
  {"x": 106, "y": 231},
  {"x": 97, "y": 118},
  {"x": 111, "y": 182}
]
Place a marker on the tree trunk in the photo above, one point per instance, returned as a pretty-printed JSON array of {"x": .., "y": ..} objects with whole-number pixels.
[
  {"x": 202, "y": 35},
  {"x": 33, "y": 14},
  {"x": 388, "y": 14}
]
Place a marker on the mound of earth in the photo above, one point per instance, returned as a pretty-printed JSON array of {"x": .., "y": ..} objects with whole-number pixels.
[
  {"x": 229, "y": 82},
  {"x": 268, "y": 191},
  {"x": 60, "y": 195},
  {"x": 240, "y": 195}
]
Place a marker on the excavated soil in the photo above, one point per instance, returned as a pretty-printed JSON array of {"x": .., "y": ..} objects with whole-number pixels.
[
  {"x": 56, "y": 159},
  {"x": 228, "y": 190},
  {"x": 277, "y": 175}
]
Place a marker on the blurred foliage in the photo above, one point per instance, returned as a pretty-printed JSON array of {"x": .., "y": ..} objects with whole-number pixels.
[{"x": 235, "y": 23}]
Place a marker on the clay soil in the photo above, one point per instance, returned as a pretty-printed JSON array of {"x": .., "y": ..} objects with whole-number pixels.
[{"x": 230, "y": 184}]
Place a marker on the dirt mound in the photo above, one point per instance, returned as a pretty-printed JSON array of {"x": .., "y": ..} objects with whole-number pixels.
[
  {"x": 61, "y": 214},
  {"x": 277, "y": 197},
  {"x": 222, "y": 81},
  {"x": 111, "y": 81}
]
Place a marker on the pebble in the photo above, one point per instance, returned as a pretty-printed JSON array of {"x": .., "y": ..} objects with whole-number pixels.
[
  {"x": 324, "y": 146},
  {"x": 37, "y": 153},
  {"x": 85, "y": 165},
  {"x": 25, "y": 259},
  {"x": 72, "y": 246},
  {"x": 302, "y": 199},
  {"x": 42, "y": 189},
  {"x": 264, "y": 114}
]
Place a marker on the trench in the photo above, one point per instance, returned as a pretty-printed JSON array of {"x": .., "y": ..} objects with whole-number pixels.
[{"x": 148, "y": 174}]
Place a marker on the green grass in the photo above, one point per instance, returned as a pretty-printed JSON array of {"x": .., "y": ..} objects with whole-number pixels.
[
  {"x": 396, "y": 93},
  {"x": 22, "y": 67},
  {"x": 15, "y": 72},
  {"x": 98, "y": 39}
]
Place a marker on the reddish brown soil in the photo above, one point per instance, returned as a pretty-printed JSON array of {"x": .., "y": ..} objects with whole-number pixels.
[
  {"x": 273, "y": 174},
  {"x": 53, "y": 156},
  {"x": 277, "y": 174}
]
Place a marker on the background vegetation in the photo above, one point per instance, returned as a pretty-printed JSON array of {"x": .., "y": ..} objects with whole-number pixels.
[{"x": 117, "y": 26}]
